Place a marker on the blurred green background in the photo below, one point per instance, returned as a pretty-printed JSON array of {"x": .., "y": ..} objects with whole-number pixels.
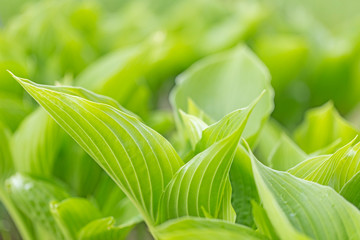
[{"x": 132, "y": 51}]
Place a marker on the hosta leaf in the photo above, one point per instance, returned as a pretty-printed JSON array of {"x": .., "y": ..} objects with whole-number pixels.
[
  {"x": 335, "y": 170},
  {"x": 39, "y": 138},
  {"x": 242, "y": 182},
  {"x": 33, "y": 196},
  {"x": 299, "y": 208},
  {"x": 6, "y": 161},
  {"x": 104, "y": 229},
  {"x": 286, "y": 154},
  {"x": 200, "y": 184},
  {"x": 13, "y": 110},
  {"x": 233, "y": 79},
  {"x": 351, "y": 192},
  {"x": 191, "y": 228},
  {"x": 72, "y": 214},
  {"x": 262, "y": 221},
  {"x": 136, "y": 157},
  {"x": 193, "y": 126},
  {"x": 322, "y": 126},
  {"x": 118, "y": 75}
]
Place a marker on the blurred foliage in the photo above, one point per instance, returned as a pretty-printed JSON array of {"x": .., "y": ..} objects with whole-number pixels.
[{"x": 132, "y": 51}]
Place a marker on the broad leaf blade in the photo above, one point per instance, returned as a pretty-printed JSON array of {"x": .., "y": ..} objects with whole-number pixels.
[
  {"x": 322, "y": 126},
  {"x": 45, "y": 137},
  {"x": 72, "y": 214},
  {"x": 200, "y": 184},
  {"x": 136, "y": 157},
  {"x": 351, "y": 192},
  {"x": 33, "y": 196},
  {"x": 233, "y": 79},
  {"x": 296, "y": 206},
  {"x": 104, "y": 229},
  {"x": 6, "y": 161},
  {"x": 191, "y": 228}
]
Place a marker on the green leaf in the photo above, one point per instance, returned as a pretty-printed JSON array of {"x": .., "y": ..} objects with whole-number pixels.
[
  {"x": 299, "y": 208},
  {"x": 262, "y": 221},
  {"x": 242, "y": 182},
  {"x": 72, "y": 214},
  {"x": 13, "y": 110},
  {"x": 233, "y": 79},
  {"x": 335, "y": 170},
  {"x": 286, "y": 154},
  {"x": 322, "y": 126},
  {"x": 33, "y": 196},
  {"x": 104, "y": 229},
  {"x": 35, "y": 144},
  {"x": 194, "y": 127},
  {"x": 191, "y": 228},
  {"x": 351, "y": 192},
  {"x": 200, "y": 184},
  {"x": 6, "y": 161},
  {"x": 118, "y": 75},
  {"x": 136, "y": 157}
]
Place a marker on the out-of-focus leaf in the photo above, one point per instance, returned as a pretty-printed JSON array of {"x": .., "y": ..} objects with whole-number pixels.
[
  {"x": 72, "y": 214},
  {"x": 351, "y": 192},
  {"x": 200, "y": 184},
  {"x": 104, "y": 229},
  {"x": 6, "y": 160},
  {"x": 268, "y": 138},
  {"x": 13, "y": 110},
  {"x": 299, "y": 208},
  {"x": 322, "y": 127},
  {"x": 118, "y": 75},
  {"x": 233, "y": 79},
  {"x": 286, "y": 154},
  {"x": 33, "y": 196},
  {"x": 262, "y": 221},
  {"x": 35, "y": 144},
  {"x": 119, "y": 148},
  {"x": 191, "y": 228}
]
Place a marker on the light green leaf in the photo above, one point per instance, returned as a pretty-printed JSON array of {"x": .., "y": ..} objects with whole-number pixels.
[
  {"x": 13, "y": 110},
  {"x": 104, "y": 229},
  {"x": 299, "y": 208},
  {"x": 351, "y": 192},
  {"x": 191, "y": 228},
  {"x": 322, "y": 126},
  {"x": 286, "y": 154},
  {"x": 6, "y": 161},
  {"x": 33, "y": 196},
  {"x": 335, "y": 170},
  {"x": 201, "y": 183},
  {"x": 118, "y": 75},
  {"x": 233, "y": 79},
  {"x": 242, "y": 182},
  {"x": 35, "y": 144},
  {"x": 193, "y": 126},
  {"x": 136, "y": 157},
  {"x": 72, "y": 214},
  {"x": 262, "y": 221}
]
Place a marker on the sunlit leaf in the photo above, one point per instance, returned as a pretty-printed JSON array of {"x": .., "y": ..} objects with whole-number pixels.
[
  {"x": 322, "y": 126},
  {"x": 299, "y": 208},
  {"x": 136, "y": 157},
  {"x": 191, "y": 228},
  {"x": 233, "y": 79}
]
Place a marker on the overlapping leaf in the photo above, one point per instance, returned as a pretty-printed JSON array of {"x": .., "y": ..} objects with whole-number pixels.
[
  {"x": 191, "y": 228},
  {"x": 233, "y": 79},
  {"x": 300, "y": 209},
  {"x": 33, "y": 196},
  {"x": 136, "y": 157}
]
